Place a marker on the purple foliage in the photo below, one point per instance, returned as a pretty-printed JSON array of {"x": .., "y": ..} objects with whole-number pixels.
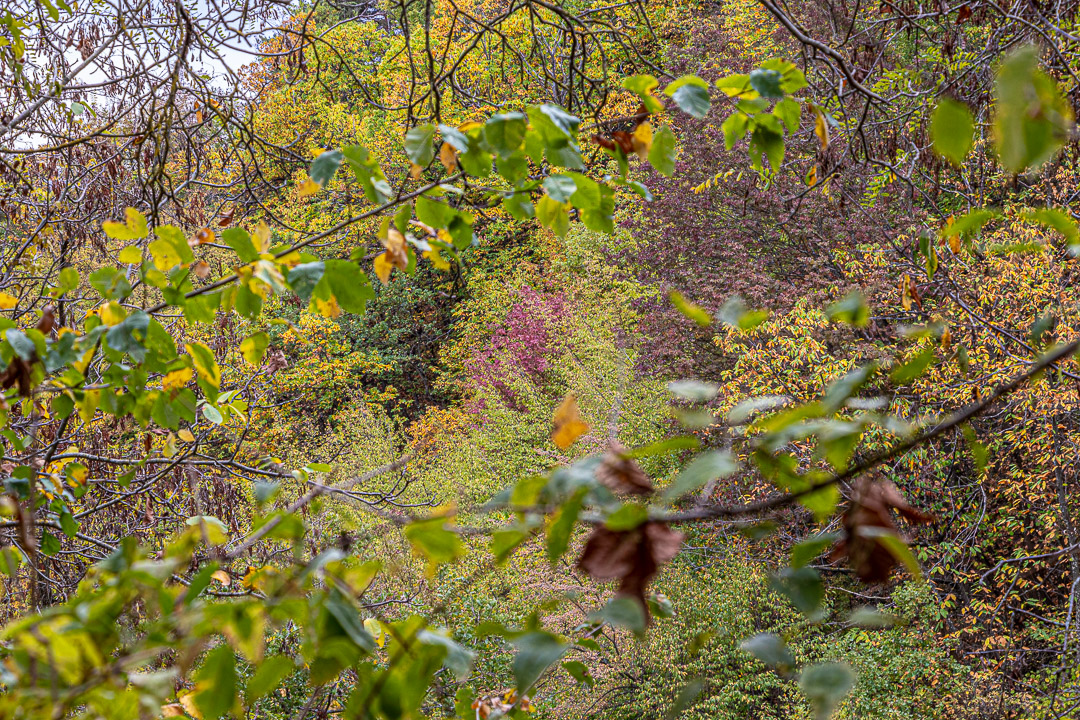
[{"x": 522, "y": 345}]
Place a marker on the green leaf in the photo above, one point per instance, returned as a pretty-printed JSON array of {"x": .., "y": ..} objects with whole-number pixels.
[
  {"x": 240, "y": 241},
  {"x": 580, "y": 672},
  {"x": 745, "y": 409},
  {"x": 690, "y": 310},
  {"x": 686, "y": 697},
  {"x": 622, "y": 611},
  {"x": 50, "y": 546},
  {"x": 553, "y": 215},
  {"x": 304, "y": 277},
  {"x": 268, "y": 676},
  {"x": 769, "y": 649},
  {"x": 969, "y": 223},
  {"x": 664, "y": 447},
  {"x": 560, "y": 187},
  {"x": 23, "y": 346},
  {"x": 130, "y": 255},
  {"x": 737, "y": 85},
  {"x": 1055, "y": 219},
  {"x": 67, "y": 280},
  {"x": 111, "y": 283},
  {"x": 1032, "y": 120},
  {"x": 325, "y": 166},
  {"x": 536, "y": 652},
  {"x": 205, "y": 363},
  {"x": 69, "y": 525},
  {"x": 347, "y": 283},
  {"x": 518, "y": 205},
  {"x": 803, "y": 587},
  {"x": 767, "y": 83},
  {"x": 253, "y": 346},
  {"x": 850, "y": 309},
  {"x": 642, "y": 86},
  {"x": 215, "y": 692},
  {"x": 952, "y": 129},
  {"x": 914, "y": 367},
  {"x": 734, "y": 128},
  {"x": 627, "y": 517},
  {"x": 788, "y": 111},
  {"x": 704, "y": 468},
  {"x": 562, "y": 525},
  {"x": 418, "y": 144},
  {"x": 134, "y": 229},
  {"x": 763, "y": 140},
  {"x": 693, "y": 390},
  {"x": 505, "y": 132},
  {"x": 691, "y": 94},
  {"x": 826, "y": 684},
  {"x": 367, "y": 172},
  {"x": 129, "y": 335},
  {"x": 807, "y": 550},
  {"x": 662, "y": 152},
  {"x": 431, "y": 540},
  {"x": 870, "y": 617}
]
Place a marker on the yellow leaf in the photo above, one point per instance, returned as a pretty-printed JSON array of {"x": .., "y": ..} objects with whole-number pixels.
[
  {"x": 112, "y": 313},
  {"x": 568, "y": 423},
  {"x": 435, "y": 258},
  {"x": 222, "y": 577},
  {"x": 821, "y": 128},
  {"x": 202, "y": 236},
  {"x": 375, "y": 630},
  {"x": 177, "y": 379},
  {"x": 383, "y": 266},
  {"x": 415, "y": 171},
  {"x": 134, "y": 229},
  {"x": 188, "y": 701},
  {"x": 307, "y": 188},
  {"x": 329, "y": 308},
  {"x": 185, "y": 435},
  {"x": 641, "y": 140},
  {"x": 79, "y": 473},
  {"x": 7, "y": 301},
  {"x": 448, "y": 157},
  {"x": 130, "y": 255},
  {"x": 164, "y": 254},
  {"x": 811, "y": 177},
  {"x": 172, "y": 710},
  {"x": 954, "y": 243},
  {"x": 261, "y": 236}
]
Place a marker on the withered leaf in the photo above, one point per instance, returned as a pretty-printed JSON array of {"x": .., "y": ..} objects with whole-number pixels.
[
  {"x": 48, "y": 320},
  {"x": 871, "y": 505},
  {"x": 631, "y": 556},
  {"x": 621, "y": 474}
]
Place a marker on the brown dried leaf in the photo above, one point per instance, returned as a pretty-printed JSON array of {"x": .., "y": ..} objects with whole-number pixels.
[
  {"x": 48, "y": 320},
  {"x": 621, "y": 474},
  {"x": 631, "y": 556},
  {"x": 871, "y": 507}
]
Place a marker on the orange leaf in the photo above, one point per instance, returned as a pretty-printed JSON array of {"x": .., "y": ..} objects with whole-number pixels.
[{"x": 568, "y": 423}]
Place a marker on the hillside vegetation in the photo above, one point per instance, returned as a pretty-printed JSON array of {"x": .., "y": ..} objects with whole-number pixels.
[{"x": 495, "y": 358}]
